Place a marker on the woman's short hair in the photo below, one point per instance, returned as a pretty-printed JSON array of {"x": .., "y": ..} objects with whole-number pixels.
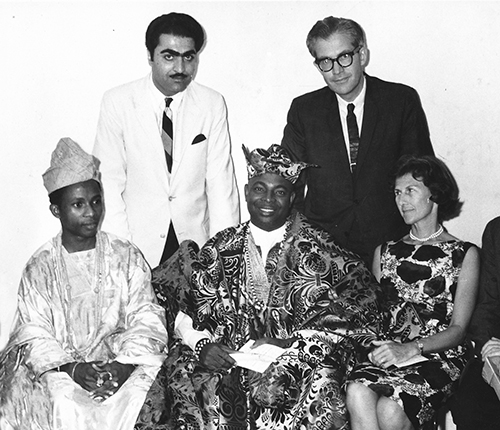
[{"x": 436, "y": 176}]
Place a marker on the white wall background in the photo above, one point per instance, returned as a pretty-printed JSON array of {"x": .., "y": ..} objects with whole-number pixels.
[{"x": 57, "y": 58}]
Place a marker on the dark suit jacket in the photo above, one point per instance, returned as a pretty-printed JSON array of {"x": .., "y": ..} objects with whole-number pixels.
[
  {"x": 358, "y": 210},
  {"x": 486, "y": 318}
]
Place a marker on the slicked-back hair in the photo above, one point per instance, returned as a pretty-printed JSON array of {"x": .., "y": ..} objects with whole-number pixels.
[
  {"x": 436, "y": 176},
  {"x": 175, "y": 24},
  {"x": 324, "y": 28}
]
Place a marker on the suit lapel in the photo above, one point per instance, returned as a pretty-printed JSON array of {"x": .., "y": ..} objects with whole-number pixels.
[
  {"x": 146, "y": 117},
  {"x": 338, "y": 147},
  {"x": 185, "y": 126},
  {"x": 370, "y": 116}
]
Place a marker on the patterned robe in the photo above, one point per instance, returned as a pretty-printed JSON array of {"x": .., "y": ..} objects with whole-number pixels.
[
  {"x": 318, "y": 292},
  {"x": 60, "y": 321}
]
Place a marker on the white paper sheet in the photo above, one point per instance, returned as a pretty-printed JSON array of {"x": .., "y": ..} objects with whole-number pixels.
[
  {"x": 257, "y": 359},
  {"x": 414, "y": 360}
]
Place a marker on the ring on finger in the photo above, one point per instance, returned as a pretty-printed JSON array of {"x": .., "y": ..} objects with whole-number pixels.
[{"x": 99, "y": 381}]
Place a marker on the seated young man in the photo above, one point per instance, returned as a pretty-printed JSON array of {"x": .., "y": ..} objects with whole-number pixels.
[
  {"x": 277, "y": 280},
  {"x": 89, "y": 336}
]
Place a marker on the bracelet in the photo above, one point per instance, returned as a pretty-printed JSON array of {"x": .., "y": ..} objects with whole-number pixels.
[
  {"x": 420, "y": 346},
  {"x": 73, "y": 371},
  {"x": 199, "y": 347}
]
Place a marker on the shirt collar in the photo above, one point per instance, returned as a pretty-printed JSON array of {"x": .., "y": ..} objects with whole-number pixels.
[
  {"x": 359, "y": 101},
  {"x": 159, "y": 97},
  {"x": 262, "y": 237}
]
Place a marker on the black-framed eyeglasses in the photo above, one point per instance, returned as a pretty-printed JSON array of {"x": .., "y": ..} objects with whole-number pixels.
[{"x": 344, "y": 60}]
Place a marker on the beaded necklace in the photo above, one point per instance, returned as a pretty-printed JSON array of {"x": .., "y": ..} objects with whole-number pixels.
[
  {"x": 258, "y": 284},
  {"x": 432, "y": 236}
]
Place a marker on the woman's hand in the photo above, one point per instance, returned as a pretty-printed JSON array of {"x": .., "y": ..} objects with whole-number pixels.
[{"x": 388, "y": 352}]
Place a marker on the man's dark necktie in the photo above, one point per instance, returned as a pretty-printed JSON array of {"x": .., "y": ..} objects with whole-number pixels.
[
  {"x": 167, "y": 134},
  {"x": 352, "y": 127}
]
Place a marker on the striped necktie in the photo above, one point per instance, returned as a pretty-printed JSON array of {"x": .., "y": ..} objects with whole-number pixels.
[
  {"x": 352, "y": 128},
  {"x": 167, "y": 134}
]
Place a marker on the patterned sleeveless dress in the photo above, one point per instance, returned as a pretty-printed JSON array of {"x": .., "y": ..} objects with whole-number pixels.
[{"x": 420, "y": 283}]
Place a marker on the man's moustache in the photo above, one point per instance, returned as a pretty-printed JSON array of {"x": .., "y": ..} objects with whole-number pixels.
[{"x": 179, "y": 75}]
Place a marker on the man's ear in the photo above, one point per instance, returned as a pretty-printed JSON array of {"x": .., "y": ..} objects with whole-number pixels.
[
  {"x": 246, "y": 191},
  {"x": 54, "y": 209},
  {"x": 292, "y": 198},
  {"x": 364, "y": 56}
]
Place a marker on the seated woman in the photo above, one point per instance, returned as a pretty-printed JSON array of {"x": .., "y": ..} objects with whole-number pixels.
[{"x": 430, "y": 279}]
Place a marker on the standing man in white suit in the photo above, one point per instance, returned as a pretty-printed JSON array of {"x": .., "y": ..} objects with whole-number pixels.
[{"x": 157, "y": 195}]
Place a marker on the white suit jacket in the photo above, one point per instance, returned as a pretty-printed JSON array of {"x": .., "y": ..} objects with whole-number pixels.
[{"x": 201, "y": 197}]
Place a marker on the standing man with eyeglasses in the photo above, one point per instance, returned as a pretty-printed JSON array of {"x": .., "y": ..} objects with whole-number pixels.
[
  {"x": 355, "y": 129},
  {"x": 163, "y": 142}
]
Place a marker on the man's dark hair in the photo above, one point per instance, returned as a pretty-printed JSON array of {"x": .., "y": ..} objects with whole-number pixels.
[
  {"x": 175, "y": 24},
  {"x": 324, "y": 28},
  {"x": 438, "y": 178}
]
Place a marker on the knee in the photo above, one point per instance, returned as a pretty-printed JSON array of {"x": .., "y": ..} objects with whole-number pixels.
[
  {"x": 391, "y": 415},
  {"x": 357, "y": 395}
]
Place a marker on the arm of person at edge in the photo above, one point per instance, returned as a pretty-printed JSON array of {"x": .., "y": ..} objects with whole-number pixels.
[
  {"x": 485, "y": 326},
  {"x": 388, "y": 353}
]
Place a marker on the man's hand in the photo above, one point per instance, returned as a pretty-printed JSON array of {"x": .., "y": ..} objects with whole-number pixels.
[
  {"x": 101, "y": 379},
  {"x": 215, "y": 356},
  {"x": 113, "y": 376},
  {"x": 84, "y": 374},
  {"x": 491, "y": 348}
]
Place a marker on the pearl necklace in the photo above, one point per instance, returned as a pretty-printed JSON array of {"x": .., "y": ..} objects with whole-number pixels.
[{"x": 432, "y": 236}]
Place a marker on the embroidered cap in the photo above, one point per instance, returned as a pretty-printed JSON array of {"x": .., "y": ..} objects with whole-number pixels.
[
  {"x": 274, "y": 160},
  {"x": 69, "y": 165}
]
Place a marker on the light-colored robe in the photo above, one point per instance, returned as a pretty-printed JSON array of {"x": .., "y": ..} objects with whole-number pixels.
[{"x": 128, "y": 326}]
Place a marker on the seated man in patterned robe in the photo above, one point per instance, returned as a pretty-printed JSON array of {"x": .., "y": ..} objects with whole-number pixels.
[
  {"x": 89, "y": 336},
  {"x": 277, "y": 280}
]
